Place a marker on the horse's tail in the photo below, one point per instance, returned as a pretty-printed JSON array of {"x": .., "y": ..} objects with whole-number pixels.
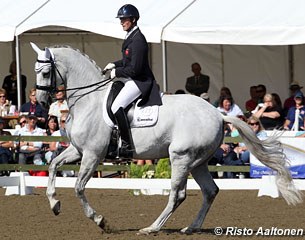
[{"x": 270, "y": 153}]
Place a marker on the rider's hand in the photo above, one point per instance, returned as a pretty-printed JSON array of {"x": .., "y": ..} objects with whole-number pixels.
[
  {"x": 112, "y": 74},
  {"x": 109, "y": 66}
]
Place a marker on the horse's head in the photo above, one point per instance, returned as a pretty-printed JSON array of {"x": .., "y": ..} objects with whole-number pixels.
[{"x": 45, "y": 74}]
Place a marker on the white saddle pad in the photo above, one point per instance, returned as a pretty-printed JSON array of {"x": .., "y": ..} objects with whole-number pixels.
[{"x": 138, "y": 116}]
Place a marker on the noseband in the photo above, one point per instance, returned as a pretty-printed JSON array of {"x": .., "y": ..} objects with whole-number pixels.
[{"x": 52, "y": 88}]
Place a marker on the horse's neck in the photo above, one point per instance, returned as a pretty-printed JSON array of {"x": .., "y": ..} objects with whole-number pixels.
[{"x": 80, "y": 72}]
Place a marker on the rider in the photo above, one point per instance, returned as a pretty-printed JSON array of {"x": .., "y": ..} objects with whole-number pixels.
[{"x": 139, "y": 82}]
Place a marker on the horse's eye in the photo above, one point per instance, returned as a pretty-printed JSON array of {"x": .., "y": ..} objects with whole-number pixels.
[{"x": 46, "y": 75}]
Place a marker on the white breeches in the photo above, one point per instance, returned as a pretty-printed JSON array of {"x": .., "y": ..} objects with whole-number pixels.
[{"x": 127, "y": 95}]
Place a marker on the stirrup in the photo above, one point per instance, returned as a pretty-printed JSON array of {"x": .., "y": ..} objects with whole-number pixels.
[{"x": 125, "y": 151}]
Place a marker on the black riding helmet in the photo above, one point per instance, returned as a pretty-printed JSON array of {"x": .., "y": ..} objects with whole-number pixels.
[{"x": 128, "y": 11}]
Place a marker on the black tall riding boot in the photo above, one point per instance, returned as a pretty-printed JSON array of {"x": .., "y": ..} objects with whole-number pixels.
[{"x": 123, "y": 124}]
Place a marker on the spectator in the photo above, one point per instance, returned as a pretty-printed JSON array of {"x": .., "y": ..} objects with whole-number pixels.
[
  {"x": 228, "y": 107},
  {"x": 252, "y": 102},
  {"x": 52, "y": 126},
  {"x": 224, "y": 91},
  {"x": 33, "y": 107},
  {"x": 58, "y": 147},
  {"x": 10, "y": 85},
  {"x": 269, "y": 113},
  {"x": 6, "y": 155},
  {"x": 4, "y": 103},
  {"x": 30, "y": 152},
  {"x": 60, "y": 104},
  {"x": 289, "y": 102},
  {"x": 290, "y": 122},
  {"x": 198, "y": 83},
  {"x": 242, "y": 151},
  {"x": 21, "y": 121},
  {"x": 261, "y": 92}
]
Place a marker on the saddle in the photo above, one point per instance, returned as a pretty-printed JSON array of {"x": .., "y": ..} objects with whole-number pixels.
[{"x": 137, "y": 116}]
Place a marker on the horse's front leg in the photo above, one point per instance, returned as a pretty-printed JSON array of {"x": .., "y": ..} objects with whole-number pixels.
[
  {"x": 89, "y": 164},
  {"x": 69, "y": 155}
]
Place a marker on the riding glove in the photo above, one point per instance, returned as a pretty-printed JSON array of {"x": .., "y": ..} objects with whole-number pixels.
[
  {"x": 112, "y": 74},
  {"x": 109, "y": 66}
]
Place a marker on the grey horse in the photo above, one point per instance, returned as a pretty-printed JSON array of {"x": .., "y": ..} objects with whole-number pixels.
[{"x": 188, "y": 131}]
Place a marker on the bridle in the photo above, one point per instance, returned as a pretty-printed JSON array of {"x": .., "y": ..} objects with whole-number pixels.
[{"x": 52, "y": 88}]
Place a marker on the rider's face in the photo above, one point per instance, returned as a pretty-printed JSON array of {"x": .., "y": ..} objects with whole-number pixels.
[{"x": 126, "y": 23}]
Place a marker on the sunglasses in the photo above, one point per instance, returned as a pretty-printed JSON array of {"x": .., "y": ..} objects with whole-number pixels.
[
  {"x": 63, "y": 121},
  {"x": 253, "y": 124},
  {"x": 2, "y": 96},
  {"x": 23, "y": 122}
]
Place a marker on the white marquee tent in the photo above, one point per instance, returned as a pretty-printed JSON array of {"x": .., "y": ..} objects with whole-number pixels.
[{"x": 211, "y": 32}]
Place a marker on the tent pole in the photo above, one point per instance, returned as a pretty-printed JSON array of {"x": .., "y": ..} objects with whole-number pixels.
[
  {"x": 164, "y": 66},
  {"x": 18, "y": 72},
  {"x": 222, "y": 65},
  {"x": 291, "y": 63}
]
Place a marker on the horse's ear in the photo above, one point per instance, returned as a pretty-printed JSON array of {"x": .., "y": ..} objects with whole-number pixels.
[
  {"x": 48, "y": 54},
  {"x": 36, "y": 49}
]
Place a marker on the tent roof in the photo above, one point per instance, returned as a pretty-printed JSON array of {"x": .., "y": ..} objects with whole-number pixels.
[
  {"x": 99, "y": 16},
  {"x": 259, "y": 22},
  {"x": 13, "y": 13}
]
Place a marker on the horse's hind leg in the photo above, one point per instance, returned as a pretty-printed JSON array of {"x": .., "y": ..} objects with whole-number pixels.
[
  {"x": 89, "y": 164},
  {"x": 176, "y": 197},
  {"x": 69, "y": 155},
  {"x": 209, "y": 190}
]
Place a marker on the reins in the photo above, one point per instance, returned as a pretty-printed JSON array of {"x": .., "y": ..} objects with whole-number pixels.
[{"x": 51, "y": 89}]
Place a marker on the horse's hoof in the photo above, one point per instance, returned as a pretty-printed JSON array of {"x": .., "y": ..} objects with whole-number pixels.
[
  {"x": 56, "y": 208},
  {"x": 189, "y": 230},
  {"x": 145, "y": 231},
  {"x": 102, "y": 223}
]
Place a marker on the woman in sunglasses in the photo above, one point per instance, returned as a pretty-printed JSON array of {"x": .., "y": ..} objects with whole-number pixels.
[
  {"x": 257, "y": 127},
  {"x": 4, "y": 103}
]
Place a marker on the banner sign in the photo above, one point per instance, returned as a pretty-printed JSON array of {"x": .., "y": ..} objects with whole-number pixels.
[{"x": 294, "y": 148}]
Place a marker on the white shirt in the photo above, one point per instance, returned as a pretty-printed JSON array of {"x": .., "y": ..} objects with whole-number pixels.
[
  {"x": 36, "y": 132},
  {"x": 234, "y": 110},
  {"x": 55, "y": 109}
]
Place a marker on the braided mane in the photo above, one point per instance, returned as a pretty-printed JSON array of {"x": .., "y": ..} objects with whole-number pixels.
[{"x": 85, "y": 55}]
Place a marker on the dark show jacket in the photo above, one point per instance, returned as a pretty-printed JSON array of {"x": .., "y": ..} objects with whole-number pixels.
[
  {"x": 135, "y": 65},
  {"x": 198, "y": 86}
]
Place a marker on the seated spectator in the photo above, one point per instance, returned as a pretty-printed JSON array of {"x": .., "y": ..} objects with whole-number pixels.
[
  {"x": 58, "y": 147},
  {"x": 33, "y": 107},
  {"x": 252, "y": 102},
  {"x": 269, "y": 113},
  {"x": 289, "y": 102},
  {"x": 260, "y": 93},
  {"x": 241, "y": 150},
  {"x": 6, "y": 155},
  {"x": 52, "y": 126},
  {"x": 4, "y": 103},
  {"x": 228, "y": 107},
  {"x": 60, "y": 105},
  {"x": 290, "y": 122},
  {"x": 21, "y": 122},
  {"x": 224, "y": 91},
  {"x": 30, "y": 152},
  {"x": 240, "y": 154}
]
